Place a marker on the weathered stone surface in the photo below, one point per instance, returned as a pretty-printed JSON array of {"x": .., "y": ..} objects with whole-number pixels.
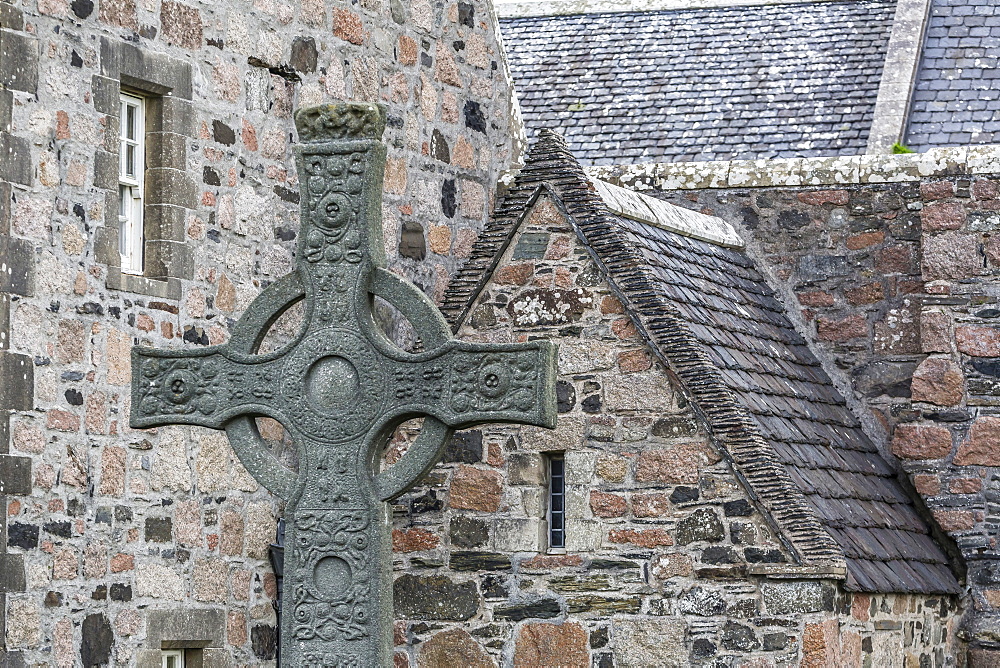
[
  {"x": 783, "y": 598},
  {"x": 701, "y": 525},
  {"x": 982, "y": 448},
  {"x": 468, "y": 531},
  {"x": 938, "y": 381},
  {"x": 97, "y": 640},
  {"x": 454, "y": 648},
  {"x": 919, "y": 442},
  {"x": 678, "y": 464},
  {"x": 414, "y": 540},
  {"x": 544, "y": 644},
  {"x": 475, "y": 489},
  {"x": 603, "y": 504},
  {"x": 942, "y": 216},
  {"x": 653, "y": 642},
  {"x": 950, "y": 255},
  {"x": 978, "y": 341},
  {"x": 434, "y": 597},
  {"x": 545, "y": 608}
]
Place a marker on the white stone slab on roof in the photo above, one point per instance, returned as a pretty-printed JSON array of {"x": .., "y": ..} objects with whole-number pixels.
[{"x": 646, "y": 209}]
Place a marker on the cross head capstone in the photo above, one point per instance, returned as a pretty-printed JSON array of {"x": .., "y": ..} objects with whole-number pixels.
[{"x": 340, "y": 388}]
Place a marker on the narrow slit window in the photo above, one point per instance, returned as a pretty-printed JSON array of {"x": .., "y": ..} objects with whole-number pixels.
[
  {"x": 557, "y": 501},
  {"x": 131, "y": 168},
  {"x": 173, "y": 658}
]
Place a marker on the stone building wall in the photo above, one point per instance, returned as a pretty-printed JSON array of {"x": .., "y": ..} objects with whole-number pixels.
[
  {"x": 109, "y": 532},
  {"x": 893, "y": 263},
  {"x": 661, "y": 537}
]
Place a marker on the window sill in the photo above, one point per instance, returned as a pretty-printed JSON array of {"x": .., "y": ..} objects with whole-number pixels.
[{"x": 164, "y": 288}]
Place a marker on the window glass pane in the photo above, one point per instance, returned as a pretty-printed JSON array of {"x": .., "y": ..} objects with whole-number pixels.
[
  {"x": 557, "y": 498},
  {"x": 130, "y": 160},
  {"x": 130, "y": 121}
]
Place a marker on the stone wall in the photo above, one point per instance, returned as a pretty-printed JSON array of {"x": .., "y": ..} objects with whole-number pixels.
[
  {"x": 109, "y": 531},
  {"x": 662, "y": 541},
  {"x": 893, "y": 263}
]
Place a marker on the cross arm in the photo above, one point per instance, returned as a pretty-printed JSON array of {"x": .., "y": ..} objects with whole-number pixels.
[
  {"x": 467, "y": 383},
  {"x": 205, "y": 387}
]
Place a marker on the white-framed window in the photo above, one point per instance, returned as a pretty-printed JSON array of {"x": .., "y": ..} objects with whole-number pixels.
[
  {"x": 557, "y": 501},
  {"x": 131, "y": 170},
  {"x": 173, "y": 658}
]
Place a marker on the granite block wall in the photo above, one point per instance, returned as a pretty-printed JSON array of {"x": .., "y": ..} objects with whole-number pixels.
[
  {"x": 114, "y": 540},
  {"x": 893, "y": 266}
]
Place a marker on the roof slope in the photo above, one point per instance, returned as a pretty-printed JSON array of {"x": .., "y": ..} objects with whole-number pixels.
[
  {"x": 956, "y": 98},
  {"x": 709, "y": 314},
  {"x": 703, "y": 84}
]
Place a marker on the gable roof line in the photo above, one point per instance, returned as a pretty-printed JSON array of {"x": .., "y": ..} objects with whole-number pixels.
[{"x": 551, "y": 166}]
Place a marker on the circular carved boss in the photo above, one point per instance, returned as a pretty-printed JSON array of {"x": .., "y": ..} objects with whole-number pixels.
[{"x": 332, "y": 384}]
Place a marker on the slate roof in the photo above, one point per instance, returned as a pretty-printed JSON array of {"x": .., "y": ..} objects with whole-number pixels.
[
  {"x": 709, "y": 314},
  {"x": 703, "y": 84},
  {"x": 956, "y": 98}
]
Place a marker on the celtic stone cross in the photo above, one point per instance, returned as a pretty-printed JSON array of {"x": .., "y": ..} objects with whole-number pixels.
[{"x": 340, "y": 388}]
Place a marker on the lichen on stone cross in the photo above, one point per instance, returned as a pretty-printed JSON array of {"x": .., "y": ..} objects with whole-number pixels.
[{"x": 340, "y": 388}]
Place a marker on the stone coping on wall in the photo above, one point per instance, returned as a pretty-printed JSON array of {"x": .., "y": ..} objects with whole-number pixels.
[
  {"x": 513, "y": 10},
  {"x": 805, "y": 172}
]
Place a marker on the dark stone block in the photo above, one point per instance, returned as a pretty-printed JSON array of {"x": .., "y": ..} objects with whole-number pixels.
[
  {"x": 599, "y": 638},
  {"x": 494, "y": 587},
  {"x": 702, "y": 648},
  {"x": 97, "y": 640},
  {"x": 546, "y": 608},
  {"x": 684, "y": 494},
  {"x": 739, "y": 508},
  {"x": 426, "y": 503},
  {"x": 53, "y": 599},
  {"x": 822, "y": 267},
  {"x": 287, "y": 195},
  {"x": 604, "y": 661},
  {"x": 24, "y": 536},
  {"x": 73, "y": 397},
  {"x": 434, "y": 598},
  {"x": 474, "y": 117},
  {"x": 15, "y": 475},
  {"x": 439, "y": 147},
  {"x": 411, "y": 242},
  {"x": 304, "y": 54},
  {"x": 465, "y": 447},
  {"x": 264, "y": 641},
  {"x": 759, "y": 555},
  {"x": 159, "y": 529},
  {"x": 468, "y": 531},
  {"x": 736, "y": 636},
  {"x": 100, "y": 593},
  {"x": 467, "y": 14},
  {"x": 720, "y": 555},
  {"x": 121, "y": 592},
  {"x": 775, "y": 641},
  {"x": 449, "y": 198},
  {"x": 701, "y": 525},
  {"x": 591, "y": 404},
  {"x": 611, "y": 564},
  {"x": 674, "y": 426},
  {"x": 565, "y": 396},
  {"x": 59, "y": 529},
  {"x": 793, "y": 220},
  {"x": 702, "y": 602},
  {"x": 210, "y": 177},
  {"x": 82, "y": 8},
  {"x": 888, "y": 378},
  {"x": 479, "y": 561},
  {"x": 223, "y": 133}
]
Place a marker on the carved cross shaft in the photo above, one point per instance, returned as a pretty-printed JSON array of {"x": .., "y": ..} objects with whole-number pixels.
[{"x": 340, "y": 388}]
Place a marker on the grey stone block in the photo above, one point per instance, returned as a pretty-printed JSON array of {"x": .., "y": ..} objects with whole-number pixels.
[
  {"x": 18, "y": 256},
  {"x": 167, "y": 149},
  {"x": 144, "y": 70},
  {"x": 11, "y": 17},
  {"x": 151, "y": 287},
  {"x": 11, "y": 573},
  {"x": 4, "y": 345},
  {"x": 4, "y": 209},
  {"x": 170, "y": 114},
  {"x": 106, "y": 171},
  {"x": 15, "y": 159},
  {"x": 6, "y": 108},
  {"x": 17, "y": 382},
  {"x": 18, "y": 61},
  {"x": 165, "y": 259},
  {"x": 170, "y": 186},
  {"x": 165, "y": 222},
  {"x": 105, "y": 93},
  {"x": 169, "y": 629},
  {"x": 15, "y": 477}
]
